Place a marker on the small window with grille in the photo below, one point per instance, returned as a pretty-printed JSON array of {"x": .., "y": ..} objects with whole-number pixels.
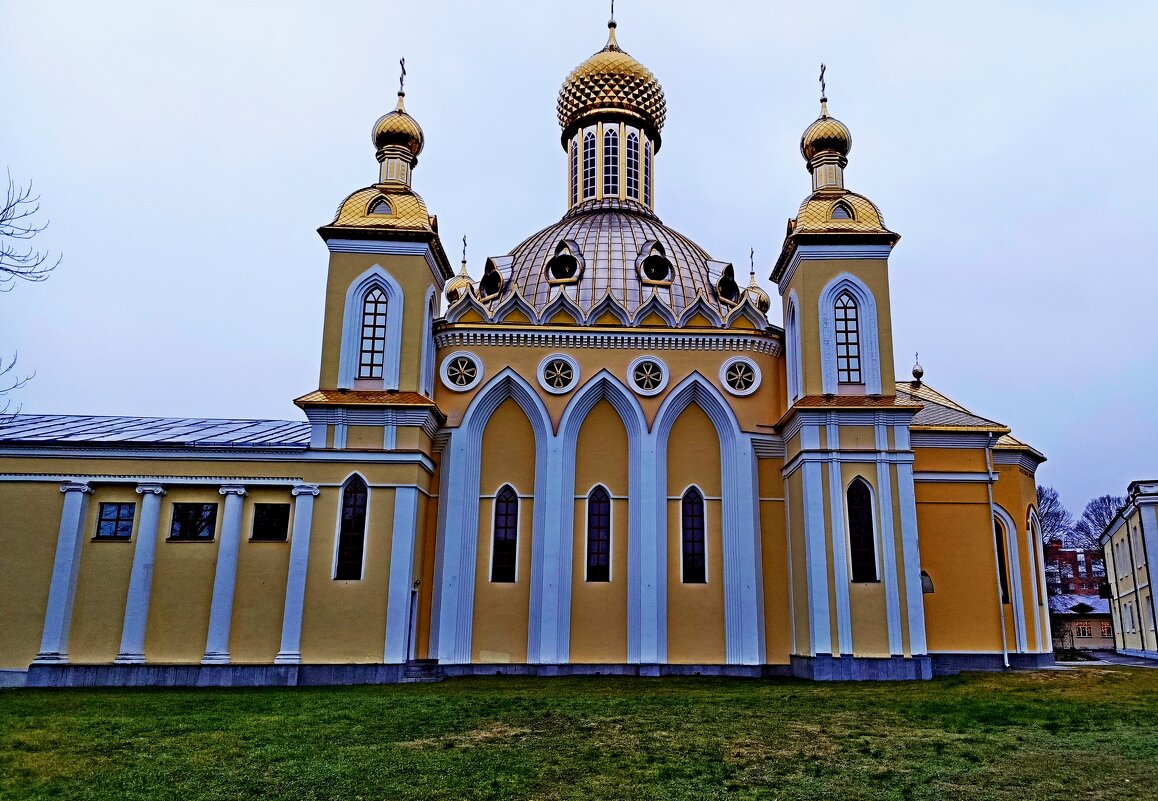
[
  {"x": 271, "y": 522},
  {"x": 631, "y": 177},
  {"x": 505, "y": 553},
  {"x": 611, "y": 163},
  {"x": 115, "y": 521},
  {"x": 193, "y": 521},
  {"x": 694, "y": 553},
  {"x": 847, "y": 340},
  {"x": 599, "y": 535},
  {"x": 372, "y": 354},
  {"x": 588, "y": 165}
]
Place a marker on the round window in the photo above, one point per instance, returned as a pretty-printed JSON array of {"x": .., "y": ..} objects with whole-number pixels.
[
  {"x": 461, "y": 371},
  {"x": 648, "y": 375},
  {"x": 558, "y": 373},
  {"x": 740, "y": 375}
]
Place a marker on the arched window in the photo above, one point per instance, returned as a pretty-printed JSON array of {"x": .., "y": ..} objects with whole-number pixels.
[
  {"x": 861, "y": 541},
  {"x": 847, "y": 340},
  {"x": 792, "y": 333},
  {"x": 372, "y": 353},
  {"x": 505, "y": 553},
  {"x": 611, "y": 163},
  {"x": 647, "y": 174},
  {"x": 588, "y": 165},
  {"x": 694, "y": 557},
  {"x": 632, "y": 176},
  {"x": 574, "y": 171},
  {"x": 841, "y": 212},
  {"x": 599, "y": 535},
  {"x": 352, "y": 530},
  {"x": 428, "y": 351},
  {"x": 1002, "y": 568}
]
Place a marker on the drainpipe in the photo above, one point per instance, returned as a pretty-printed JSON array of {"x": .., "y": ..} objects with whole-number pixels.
[{"x": 996, "y": 562}]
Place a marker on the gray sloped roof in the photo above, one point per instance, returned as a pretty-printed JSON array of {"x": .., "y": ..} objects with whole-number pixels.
[
  {"x": 940, "y": 410},
  {"x": 1064, "y": 605},
  {"x": 197, "y": 432}
]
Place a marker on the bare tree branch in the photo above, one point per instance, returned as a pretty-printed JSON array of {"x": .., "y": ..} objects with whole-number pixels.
[
  {"x": 18, "y": 224},
  {"x": 10, "y": 381},
  {"x": 1056, "y": 521},
  {"x": 1095, "y": 517}
]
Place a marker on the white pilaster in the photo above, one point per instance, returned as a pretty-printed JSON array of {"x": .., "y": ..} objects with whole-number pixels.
[
  {"x": 650, "y": 569},
  {"x": 889, "y": 563},
  {"x": 840, "y": 575},
  {"x": 815, "y": 548},
  {"x": 401, "y": 574},
  {"x": 58, "y": 611},
  {"x": 224, "y": 579},
  {"x": 911, "y": 556},
  {"x": 141, "y": 579},
  {"x": 295, "y": 585}
]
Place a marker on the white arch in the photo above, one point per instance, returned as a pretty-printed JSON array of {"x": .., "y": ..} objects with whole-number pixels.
[
  {"x": 869, "y": 333},
  {"x": 1036, "y": 553},
  {"x": 338, "y": 523},
  {"x": 453, "y": 612},
  {"x": 792, "y": 346},
  {"x": 743, "y": 590},
  {"x": 375, "y": 277},
  {"x": 1013, "y": 566},
  {"x": 427, "y": 371}
]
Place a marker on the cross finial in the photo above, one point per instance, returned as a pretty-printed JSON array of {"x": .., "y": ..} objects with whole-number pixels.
[
  {"x": 402, "y": 77},
  {"x": 822, "y": 92},
  {"x": 613, "y": 10},
  {"x": 464, "y": 250},
  {"x": 752, "y": 261}
]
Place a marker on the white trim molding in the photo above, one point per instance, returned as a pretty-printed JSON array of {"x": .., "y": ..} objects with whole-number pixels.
[
  {"x": 374, "y": 278},
  {"x": 390, "y": 248},
  {"x": 444, "y": 371},
  {"x": 870, "y": 353}
]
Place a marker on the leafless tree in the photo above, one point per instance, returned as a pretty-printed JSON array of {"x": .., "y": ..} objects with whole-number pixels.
[
  {"x": 19, "y": 259},
  {"x": 9, "y": 382},
  {"x": 1056, "y": 521},
  {"x": 1095, "y": 517}
]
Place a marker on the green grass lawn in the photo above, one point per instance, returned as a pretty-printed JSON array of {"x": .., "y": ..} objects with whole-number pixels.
[{"x": 1080, "y": 734}]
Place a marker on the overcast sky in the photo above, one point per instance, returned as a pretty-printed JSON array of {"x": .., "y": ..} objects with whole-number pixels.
[{"x": 186, "y": 152}]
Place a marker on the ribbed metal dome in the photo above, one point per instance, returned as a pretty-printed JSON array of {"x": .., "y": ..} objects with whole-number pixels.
[
  {"x": 825, "y": 133},
  {"x": 611, "y": 236}
]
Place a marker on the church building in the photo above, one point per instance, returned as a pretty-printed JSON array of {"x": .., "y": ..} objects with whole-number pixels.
[{"x": 592, "y": 454}]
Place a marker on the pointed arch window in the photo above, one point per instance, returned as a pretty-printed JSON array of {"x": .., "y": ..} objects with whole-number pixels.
[
  {"x": 588, "y": 165},
  {"x": 372, "y": 353},
  {"x": 847, "y": 319},
  {"x": 631, "y": 177},
  {"x": 792, "y": 332},
  {"x": 861, "y": 539},
  {"x": 647, "y": 174},
  {"x": 1002, "y": 568},
  {"x": 505, "y": 547},
  {"x": 428, "y": 349},
  {"x": 352, "y": 530},
  {"x": 574, "y": 171},
  {"x": 694, "y": 545},
  {"x": 841, "y": 211},
  {"x": 611, "y": 163},
  {"x": 599, "y": 535}
]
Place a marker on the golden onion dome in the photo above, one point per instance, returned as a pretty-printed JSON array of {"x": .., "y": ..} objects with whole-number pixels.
[
  {"x": 757, "y": 296},
  {"x": 459, "y": 287},
  {"x": 826, "y": 133},
  {"x": 399, "y": 128},
  {"x": 612, "y": 81}
]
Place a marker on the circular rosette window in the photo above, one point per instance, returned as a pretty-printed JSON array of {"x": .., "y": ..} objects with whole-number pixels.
[
  {"x": 741, "y": 376},
  {"x": 558, "y": 373},
  {"x": 648, "y": 375},
  {"x": 461, "y": 371}
]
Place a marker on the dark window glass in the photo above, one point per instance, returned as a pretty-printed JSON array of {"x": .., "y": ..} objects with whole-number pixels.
[
  {"x": 1002, "y": 570},
  {"x": 373, "y": 351},
  {"x": 271, "y": 521},
  {"x": 352, "y": 533},
  {"x": 574, "y": 171},
  {"x": 506, "y": 540},
  {"x": 193, "y": 521},
  {"x": 599, "y": 535},
  {"x": 841, "y": 212},
  {"x": 861, "y": 541},
  {"x": 632, "y": 176},
  {"x": 115, "y": 521},
  {"x": 588, "y": 165},
  {"x": 611, "y": 163},
  {"x": 647, "y": 173},
  {"x": 847, "y": 340},
  {"x": 693, "y": 537}
]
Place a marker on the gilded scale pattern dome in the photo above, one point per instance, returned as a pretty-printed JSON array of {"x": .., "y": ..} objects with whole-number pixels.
[
  {"x": 826, "y": 133},
  {"x": 399, "y": 128},
  {"x": 611, "y": 80}
]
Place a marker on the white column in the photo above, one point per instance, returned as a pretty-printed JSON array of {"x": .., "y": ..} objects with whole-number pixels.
[
  {"x": 141, "y": 580},
  {"x": 58, "y": 611},
  {"x": 295, "y": 585},
  {"x": 401, "y": 574},
  {"x": 224, "y": 579}
]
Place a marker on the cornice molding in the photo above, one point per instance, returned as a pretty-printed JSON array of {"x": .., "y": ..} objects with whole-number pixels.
[
  {"x": 729, "y": 342},
  {"x": 387, "y": 247}
]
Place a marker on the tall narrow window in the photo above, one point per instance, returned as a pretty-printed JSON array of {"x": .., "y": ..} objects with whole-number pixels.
[
  {"x": 506, "y": 538},
  {"x": 352, "y": 530},
  {"x": 428, "y": 351},
  {"x": 694, "y": 561},
  {"x": 588, "y": 165},
  {"x": 647, "y": 174},
  {"x": 631, "y": 179},
  {"x": 599, "y": 535},
  {"x": 1002, "y": 570},
  {"x": 861, "y": 541},
  {"x": 847, "y": 340},
  {"x": 574, "y": 171},
  {"x": 373, "y": 350},
  {"x": 611, "y": 163}
]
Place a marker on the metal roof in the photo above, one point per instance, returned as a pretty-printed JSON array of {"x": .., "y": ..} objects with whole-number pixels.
[
  {"x": 942, "y": 411},
  {"x": 1064, "y": 605},
  {"x": 197, "y": 432}
]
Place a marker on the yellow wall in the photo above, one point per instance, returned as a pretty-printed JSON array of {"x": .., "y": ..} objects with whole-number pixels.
[
  {"x": 599, "y": 609},
  {"x": 259, "y": 599},
  {"x": 695, "y": 612},
  {"x": 870, "y": 634},
  {"x": 102, "y": 582},
  {"x": 774, "y": 563}
]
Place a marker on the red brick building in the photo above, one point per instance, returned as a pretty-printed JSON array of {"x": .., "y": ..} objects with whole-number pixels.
[{"x": 1073, "y": 571}]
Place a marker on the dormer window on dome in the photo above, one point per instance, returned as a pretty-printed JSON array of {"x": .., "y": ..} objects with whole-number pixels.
[
  {"x": 490, "y": 286},
  {"x": 566, "y": 266},
  {"x": 842, "y": 211},
  {"x": 653, "y": 265},
  {"x": 727, "y": 290},
  {"x": 380, "y": 206}
]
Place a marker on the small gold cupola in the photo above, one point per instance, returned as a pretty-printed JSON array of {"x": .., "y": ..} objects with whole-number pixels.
[
  {"x": 398, "y": 139},
  {"x": 825, "y": 146}
]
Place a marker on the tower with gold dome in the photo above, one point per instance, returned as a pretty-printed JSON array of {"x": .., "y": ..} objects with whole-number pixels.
[{"x": 591, "y": 454}]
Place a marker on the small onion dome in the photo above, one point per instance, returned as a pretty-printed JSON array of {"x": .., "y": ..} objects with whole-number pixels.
[
  {"x": 826, "y": 133},
  {"x": 757, "y": 296},
  {"x": 399, "y": 128},
  {"x": 918, "y": 370},
  {"x": 459, "y": 287},
  {"x": 612, "y": 81}
]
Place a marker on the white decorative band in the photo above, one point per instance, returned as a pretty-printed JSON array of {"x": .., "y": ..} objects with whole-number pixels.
[
  {"x": 389, "y": 247},
  {"x": 768, "y": 447},
  {"x": 608, "y": 341},
  {"x": 954, "y": 477}
]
